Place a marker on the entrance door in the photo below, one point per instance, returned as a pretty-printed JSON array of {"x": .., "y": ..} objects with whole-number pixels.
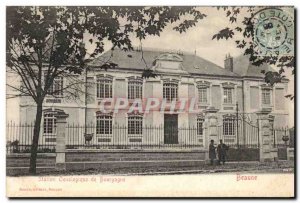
[{"x": 171, "y": 129}]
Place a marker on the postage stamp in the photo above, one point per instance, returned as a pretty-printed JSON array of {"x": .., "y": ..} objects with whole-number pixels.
[
  {"x": 150, "y": 101},
  {"x": 274, "y": 31}
]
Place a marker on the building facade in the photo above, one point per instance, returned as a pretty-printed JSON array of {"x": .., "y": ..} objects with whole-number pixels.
[{"x": 237, "y": 90}]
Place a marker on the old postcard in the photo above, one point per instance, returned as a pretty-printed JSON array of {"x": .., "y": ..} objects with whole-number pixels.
[{"x": 150, "y": 101}]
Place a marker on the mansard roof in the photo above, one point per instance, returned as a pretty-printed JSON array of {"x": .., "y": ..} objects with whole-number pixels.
[
  {"x": 243, "y": 67},
  {"x": 191, "y": 63}
]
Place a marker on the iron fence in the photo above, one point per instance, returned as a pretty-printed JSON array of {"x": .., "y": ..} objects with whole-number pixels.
[
  {"x": 19, "y": 139},
  {"x": 121, "y": 137},
  {"x": 243, "y": 135}
]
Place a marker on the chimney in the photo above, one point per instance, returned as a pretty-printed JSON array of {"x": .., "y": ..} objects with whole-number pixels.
[{"x": 228, "y": 63}]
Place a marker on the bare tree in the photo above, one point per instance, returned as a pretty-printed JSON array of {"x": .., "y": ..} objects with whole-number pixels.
[{"x": 45, "y": 43}]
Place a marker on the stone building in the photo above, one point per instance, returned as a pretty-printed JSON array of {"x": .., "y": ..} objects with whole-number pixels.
[{"x": 179, "y": 75}]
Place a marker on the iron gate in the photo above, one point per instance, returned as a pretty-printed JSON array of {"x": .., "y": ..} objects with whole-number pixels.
[{"x": 242, "y": 137}]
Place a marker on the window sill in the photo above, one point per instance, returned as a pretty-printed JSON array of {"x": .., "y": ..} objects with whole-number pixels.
[
  {"x": 53, "y": 100},
  {"x": 229, "y": 104},
  {"x": 228, "y": 107},
  {"x": 49, "y": 135},
  {"x": 107, "y": 102},
  {"x": 103, "y": 135},
  {"x": 130, "y": 101},
  {"x": 54, "y": 96},
  {"x": 268, "y": 107},
  {"x": 203, "y": 105},
  {"x": 100, "y": 99}
]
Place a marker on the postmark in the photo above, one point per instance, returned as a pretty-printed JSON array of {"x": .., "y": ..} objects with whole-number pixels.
[{"x": 273, "y": 32}]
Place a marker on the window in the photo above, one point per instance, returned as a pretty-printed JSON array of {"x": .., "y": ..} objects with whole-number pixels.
[
  {"x": 104, "y": 87},
  {"x": 56, "y": 89},
  {"x": 104, "y": 125},
  {"x": 135, "y": 125},
  {"x": 49, "y": 124},
  {"x": 135, "y": 88},
  {"x": 228, "y": 126},
  {"x": 228, "y": 95},
  {"x": 170, "y": 91},
  {"x": 266, "y": 96},
  {"x": 200, "y": 122},
  {"x": 202, "y": 92}
]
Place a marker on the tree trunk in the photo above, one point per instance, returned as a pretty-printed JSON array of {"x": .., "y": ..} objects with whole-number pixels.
[{"x": 35, "y": 140}]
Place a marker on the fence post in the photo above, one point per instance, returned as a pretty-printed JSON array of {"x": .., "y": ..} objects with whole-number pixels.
[
  {"x": 290, "y": 148},
  {"x": 266, "y": 149},
  {"x": 61, "y": 121},
  {"x": 211, "y": 124}
]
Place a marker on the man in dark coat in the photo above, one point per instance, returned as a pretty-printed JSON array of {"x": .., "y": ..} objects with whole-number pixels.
[
  {"x": 212, "y": 152},
  {"x": 222, "y": 150}
]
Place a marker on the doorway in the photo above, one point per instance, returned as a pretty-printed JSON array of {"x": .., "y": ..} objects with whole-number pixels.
[{"x": 171, "y": 129}]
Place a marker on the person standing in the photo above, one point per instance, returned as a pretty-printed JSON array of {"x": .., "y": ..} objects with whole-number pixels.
[
  {"x": 212, "y": 152},
  {"x": 222, "y": 150}
]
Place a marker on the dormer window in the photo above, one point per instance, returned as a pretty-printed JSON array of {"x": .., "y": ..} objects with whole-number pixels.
[{"x": 169, "y": 63}]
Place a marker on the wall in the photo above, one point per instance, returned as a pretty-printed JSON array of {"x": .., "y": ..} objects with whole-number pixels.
[{"x": 153, "y": 87}]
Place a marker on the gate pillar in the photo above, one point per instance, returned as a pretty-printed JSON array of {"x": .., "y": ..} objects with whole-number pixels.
[
  {"x": 211, "y": 120},
  {"x": 266, "y": 151},
  {"x": 61, "y": 120}
]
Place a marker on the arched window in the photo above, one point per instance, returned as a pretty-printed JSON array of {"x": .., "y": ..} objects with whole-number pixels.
[
  {"x": 135, "y": 88},
  {"x": 229, "y": 125},
  {"x": 104, "y": 124},
  {"x": 135, "y": 124},
  {"x": 170, "y": 90},
  {"x": 104, "y": 87},
  {"x": 49, "y": 124}
]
